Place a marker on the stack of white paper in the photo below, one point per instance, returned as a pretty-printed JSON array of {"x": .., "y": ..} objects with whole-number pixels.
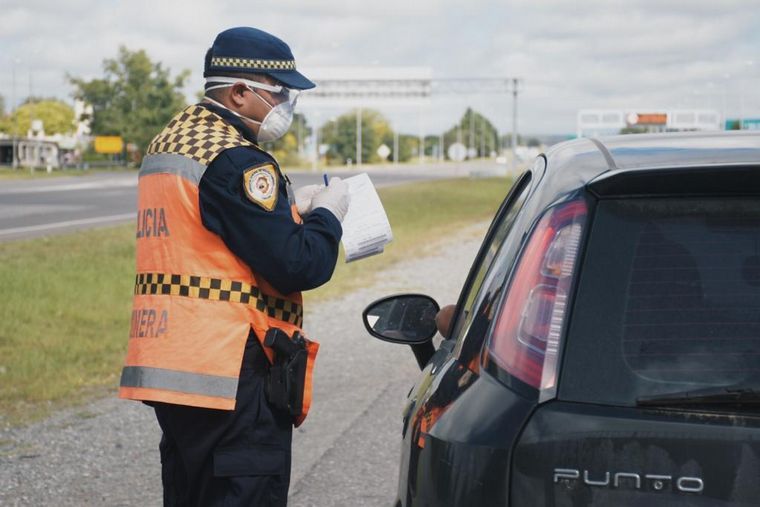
[{"x": 366, "y": 229}]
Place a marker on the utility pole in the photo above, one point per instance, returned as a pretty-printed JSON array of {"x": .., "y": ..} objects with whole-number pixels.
[
  {"x": 725, "y": 99},
  {"x": 300, "y": 135},
  {"x": 471, "y": 143},
  {"x": 422, "y": 138},
  {"x": 482, "y": 137},
  {"x": 395, "y": 146},
  {"x": 514, "y": 125},
  {"x": 315, "y": 142},
  {"x": 741, "y": 103},
  {"x": 36, "y": 152},
  {"x": 14, "y": 143},
  {"x": 359, "y": 138}
]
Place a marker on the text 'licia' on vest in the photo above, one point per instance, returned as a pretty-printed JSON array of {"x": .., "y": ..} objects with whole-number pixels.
[{"x": 151, "y": 222}]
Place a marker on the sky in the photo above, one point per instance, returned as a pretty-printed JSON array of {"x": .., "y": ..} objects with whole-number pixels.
[{"x": 633, "y": 54}]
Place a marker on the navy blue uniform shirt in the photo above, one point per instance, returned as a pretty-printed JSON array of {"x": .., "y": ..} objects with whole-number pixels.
[{"x": 290, "y": 256}]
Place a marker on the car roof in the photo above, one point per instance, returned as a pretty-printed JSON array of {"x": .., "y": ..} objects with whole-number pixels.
[
  {"x": 572, "y": 164},
  {"x": 653, "y": 151},
  {"x": 683, "y": 149}
]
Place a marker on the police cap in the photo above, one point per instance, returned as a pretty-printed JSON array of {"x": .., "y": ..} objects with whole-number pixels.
[{"x": 248, "y": 50}]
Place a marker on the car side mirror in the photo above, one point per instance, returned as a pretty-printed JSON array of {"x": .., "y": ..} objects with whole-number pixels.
[{"x": 404, "y": 318}]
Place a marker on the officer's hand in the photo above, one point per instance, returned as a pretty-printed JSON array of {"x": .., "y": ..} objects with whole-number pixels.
[
  {"x": 334, "y": 197},
  {"x": 303, "y": 198}
]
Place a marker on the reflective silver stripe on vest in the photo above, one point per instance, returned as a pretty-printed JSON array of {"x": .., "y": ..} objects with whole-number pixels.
[
  {"x": 171, "y": 163},
  {"x": 182, "y": 381}
]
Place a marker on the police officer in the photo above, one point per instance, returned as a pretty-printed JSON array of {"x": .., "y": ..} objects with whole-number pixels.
[{"x": 224, "y": 247}]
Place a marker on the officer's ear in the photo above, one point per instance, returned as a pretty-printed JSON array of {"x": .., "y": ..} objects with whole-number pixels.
[{"x": 237, "y": 94}]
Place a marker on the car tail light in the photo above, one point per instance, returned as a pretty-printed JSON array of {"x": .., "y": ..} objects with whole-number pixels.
[{"x": 526, "y": 338}]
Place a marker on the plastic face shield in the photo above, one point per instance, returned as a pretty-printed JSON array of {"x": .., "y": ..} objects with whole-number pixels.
[{"x": 279, "y": 92}]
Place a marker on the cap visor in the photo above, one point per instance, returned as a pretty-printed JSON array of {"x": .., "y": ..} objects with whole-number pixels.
[{"x": 293, "y": 79}]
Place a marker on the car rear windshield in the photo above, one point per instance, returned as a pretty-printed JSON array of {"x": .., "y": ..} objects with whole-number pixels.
[{"x": 668, "y": 300}]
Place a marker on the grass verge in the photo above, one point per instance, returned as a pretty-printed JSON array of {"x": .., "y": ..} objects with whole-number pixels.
[
  {"x": 67, "y": 299},
  {"x": 63, "y": 318},
  {"x": 24, "y": 173}
]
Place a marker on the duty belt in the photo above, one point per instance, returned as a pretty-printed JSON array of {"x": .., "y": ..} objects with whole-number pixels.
[{"x": 218, "y": 289}]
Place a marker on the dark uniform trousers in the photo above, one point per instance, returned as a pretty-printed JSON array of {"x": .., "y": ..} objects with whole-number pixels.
[{"x": 230, "y": 458}]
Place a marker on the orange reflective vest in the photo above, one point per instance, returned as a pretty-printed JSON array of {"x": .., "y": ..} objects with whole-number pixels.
[{"x": 194, "y": 300}]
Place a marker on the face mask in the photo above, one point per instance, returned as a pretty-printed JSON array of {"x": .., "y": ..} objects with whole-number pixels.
[{"x": 277, "y": 121}]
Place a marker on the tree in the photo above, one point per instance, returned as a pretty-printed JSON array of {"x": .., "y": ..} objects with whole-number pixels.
[
  {"x": 57, "y": 117},
  {"x": 432, "y": 146},
  {"x": 340, "y": 134},
  {"x": 408, "y": 147},
  {"x": 286, "y": 149},
  {"x": 474, "y": 131},
  {"x": 135, "y": 98},
  {"x": 2, "y": 106}
]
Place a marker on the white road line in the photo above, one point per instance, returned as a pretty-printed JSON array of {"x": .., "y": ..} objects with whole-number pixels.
[
  {"x": 68, "y": 223},
  {"x": 67, "y": 187}
]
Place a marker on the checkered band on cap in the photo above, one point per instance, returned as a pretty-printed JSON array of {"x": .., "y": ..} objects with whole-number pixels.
[
  {"x": 197, "y": 133},
  {"x": 252, "y": 63}
]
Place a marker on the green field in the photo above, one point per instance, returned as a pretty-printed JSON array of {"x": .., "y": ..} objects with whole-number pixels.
[{"x": 67, "y": 299}]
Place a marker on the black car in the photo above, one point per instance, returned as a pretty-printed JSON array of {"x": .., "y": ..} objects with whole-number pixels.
[{"x": 605, "y": 348}]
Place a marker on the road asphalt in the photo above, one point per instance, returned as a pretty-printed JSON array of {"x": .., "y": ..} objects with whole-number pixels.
[
  {"x": 32, "y": 208},
  {"x": 345, "y": 454}
]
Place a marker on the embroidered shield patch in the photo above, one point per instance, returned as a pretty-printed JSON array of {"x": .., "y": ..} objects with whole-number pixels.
[{"x": 260, "y": 185}]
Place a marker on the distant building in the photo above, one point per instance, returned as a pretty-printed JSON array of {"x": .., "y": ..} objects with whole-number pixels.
[
  {"x": 40, "y": 150},
  {"x": 599, "y": 122},
  {"x": 30, "y": 152}
]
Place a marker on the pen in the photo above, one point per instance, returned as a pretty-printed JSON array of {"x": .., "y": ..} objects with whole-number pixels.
[{"x": 324, "y": 177}]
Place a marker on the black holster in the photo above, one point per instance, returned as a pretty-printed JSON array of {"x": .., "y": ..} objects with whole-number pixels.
[{"x": 287, "y": 374}]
